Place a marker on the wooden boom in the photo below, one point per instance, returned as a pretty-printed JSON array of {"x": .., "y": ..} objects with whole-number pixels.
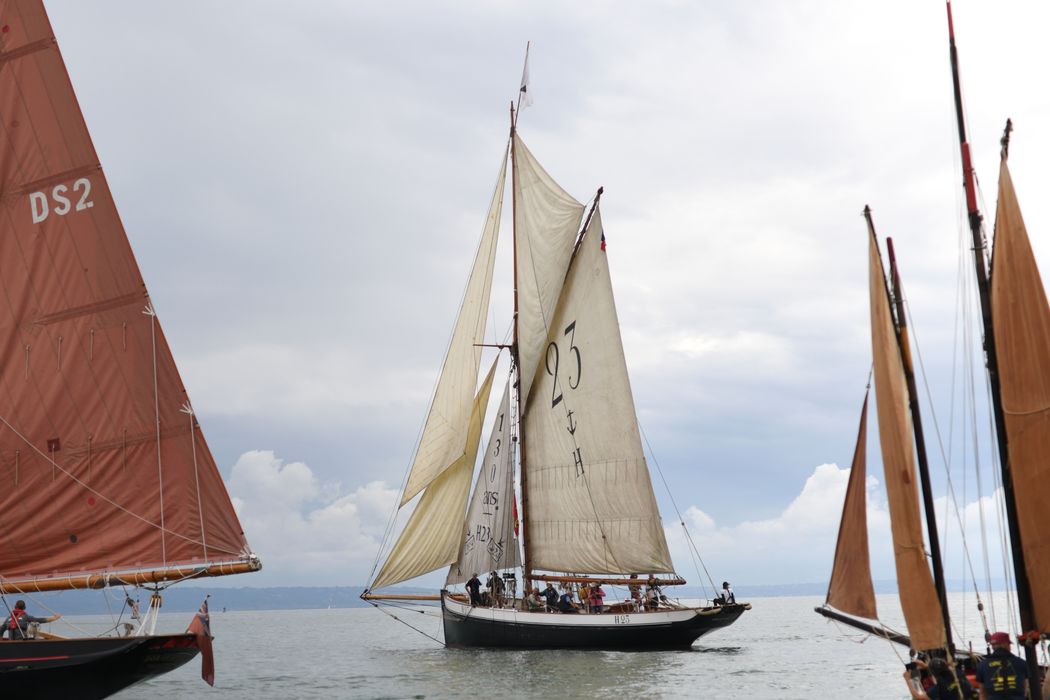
[{"x": 128, "y": 578}]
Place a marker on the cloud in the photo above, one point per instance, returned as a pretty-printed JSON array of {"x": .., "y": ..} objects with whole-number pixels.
[
  {"x": 307, "y": 532},
  {"x": 796, "y": 546}
]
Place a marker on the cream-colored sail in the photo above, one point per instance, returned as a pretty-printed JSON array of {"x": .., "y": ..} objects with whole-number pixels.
[
  {"x": 1021, "y": 319},
  {"x": 590, "y": 501},
  {"x": 547, "y": 220},
  {"x": 922, "y": 612},
  {"x": 488, "y": 541},
  {"x": 431, "y": 538},
  {"x": 850, "y": 589},
  {"x": 441, "y": 444}
]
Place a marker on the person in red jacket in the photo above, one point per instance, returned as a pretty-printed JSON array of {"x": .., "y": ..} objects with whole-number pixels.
[{"x": 18, "y": 621}]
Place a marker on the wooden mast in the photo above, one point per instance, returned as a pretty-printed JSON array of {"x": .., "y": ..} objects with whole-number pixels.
[
  {"x": 1024, "y": 592},
  {"x": 897, "y": 299},
  {"x": 526, "y": 564}
]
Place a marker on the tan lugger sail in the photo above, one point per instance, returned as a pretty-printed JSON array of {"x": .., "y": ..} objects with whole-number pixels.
[
  {"x": 850, "y": 589},
  {"x": 106, "y": 475},
  {"x": 1021, "y": 319},
  {"x": 914, "y": 581},
  {"x": 590, "y": 502}
]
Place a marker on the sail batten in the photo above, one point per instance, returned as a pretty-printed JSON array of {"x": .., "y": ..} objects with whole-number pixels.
[
  {"x": 918, "y": 596},
  {"x": 591, "y": 502},
  {"x": 1021, "y": 319}
]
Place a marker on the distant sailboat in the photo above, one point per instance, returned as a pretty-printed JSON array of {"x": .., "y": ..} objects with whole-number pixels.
[
  {"x": 567, "y": 418},
  {"x": 1016, "y": 325},
  {"x": 107, "y": 477}
]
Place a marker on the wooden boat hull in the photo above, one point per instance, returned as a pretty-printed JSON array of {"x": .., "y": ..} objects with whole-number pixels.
[
  {"x": 94, "y": 667},
  {"x": 514, "y": 629}
]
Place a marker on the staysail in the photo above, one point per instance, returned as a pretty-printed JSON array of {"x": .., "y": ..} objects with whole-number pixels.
[
  {"x": 445, "y": 431},
  {"x": 546, "y": 221},
  {"x": 850, "y": 589},
  {"x": 104, "y": 466},
  {"x": 591, "y": 503},
  {"x": 431, "y": 537},
  {"x": 915, "y": 583},
  {"x": 1021, "y": 319},
  {"x": 488, "y": 540}
]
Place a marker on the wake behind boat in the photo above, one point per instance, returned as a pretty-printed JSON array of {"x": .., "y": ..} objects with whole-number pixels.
[{"x": 566, "y": 425}]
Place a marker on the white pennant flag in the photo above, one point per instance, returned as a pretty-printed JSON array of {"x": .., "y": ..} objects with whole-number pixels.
[{"x": 525, "y": 92}]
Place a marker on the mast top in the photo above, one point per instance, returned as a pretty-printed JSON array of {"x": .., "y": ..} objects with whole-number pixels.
[{"x": 1004, "y": 142}]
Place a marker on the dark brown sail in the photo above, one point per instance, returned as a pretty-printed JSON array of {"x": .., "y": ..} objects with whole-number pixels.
[{"x": 850, "y": 589}]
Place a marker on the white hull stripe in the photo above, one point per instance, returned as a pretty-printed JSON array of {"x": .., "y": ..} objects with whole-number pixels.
[{"x": 518, "y": 617}]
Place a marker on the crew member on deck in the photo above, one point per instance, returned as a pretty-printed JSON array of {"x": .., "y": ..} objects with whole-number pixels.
[
  {"x": 597, "y": 598},
  {"x": 636, "y": 592},
  {"x": 653, "y": 595},
  {"x": 474, "y": 589},
  {"x": 565, "y": 603},
  {"x": 495, "y": 586},
  {"x": 1002, "y": 676},
  {"x": 550, "y": 593},
  {"x": 944, "y": 686},
  {"x": 727, "y": 594},
  {"x": 17, "y": 623}
]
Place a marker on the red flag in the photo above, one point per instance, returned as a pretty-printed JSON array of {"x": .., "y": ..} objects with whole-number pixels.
[
  {"x": 201, "y": 626},
  {"x": 515, "y": 514}
]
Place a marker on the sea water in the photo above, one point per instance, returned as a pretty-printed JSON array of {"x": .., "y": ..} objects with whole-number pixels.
[{"x": 779, "y": 649}]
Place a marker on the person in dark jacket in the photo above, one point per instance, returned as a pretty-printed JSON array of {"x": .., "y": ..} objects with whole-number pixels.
[
  {"x": 943, "y": 684},
  {"x": 1002, "y": 676},
  {"x": 474, "y": 589},
  {"x": 17, "y": 623},
  {"x": 550, "y": 594}
]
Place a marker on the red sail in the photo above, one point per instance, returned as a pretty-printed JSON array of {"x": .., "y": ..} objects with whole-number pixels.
[{"x": 102, "y": 466}]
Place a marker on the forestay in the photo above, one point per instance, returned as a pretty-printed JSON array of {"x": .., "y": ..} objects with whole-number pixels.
[
  {"x": 431, "y": 538},
  {"x": 590, "y": 501},
  {"x": 489, "y": 541}
]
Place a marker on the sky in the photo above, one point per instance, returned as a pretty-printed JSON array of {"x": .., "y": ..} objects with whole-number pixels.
[{"x": 304, "y": 187}]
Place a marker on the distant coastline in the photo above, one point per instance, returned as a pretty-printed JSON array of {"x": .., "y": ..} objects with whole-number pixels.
[{"x": 188, "y": 599}]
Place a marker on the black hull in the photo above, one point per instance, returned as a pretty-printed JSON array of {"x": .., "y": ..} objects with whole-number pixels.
[
  {"x": 88, "y": 668},
  {"x": 636, "y": 631}
]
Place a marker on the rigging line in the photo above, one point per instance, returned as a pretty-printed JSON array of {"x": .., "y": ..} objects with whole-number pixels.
[
  {"x": 156, "y": 411},
  {"x": 950, "y": 486},
  {"x": 101, "y": 495},
  {"x": 385, "y": 612},
  {"x": 188, "y": 410},
  {"x": 674, "y": 504}
]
